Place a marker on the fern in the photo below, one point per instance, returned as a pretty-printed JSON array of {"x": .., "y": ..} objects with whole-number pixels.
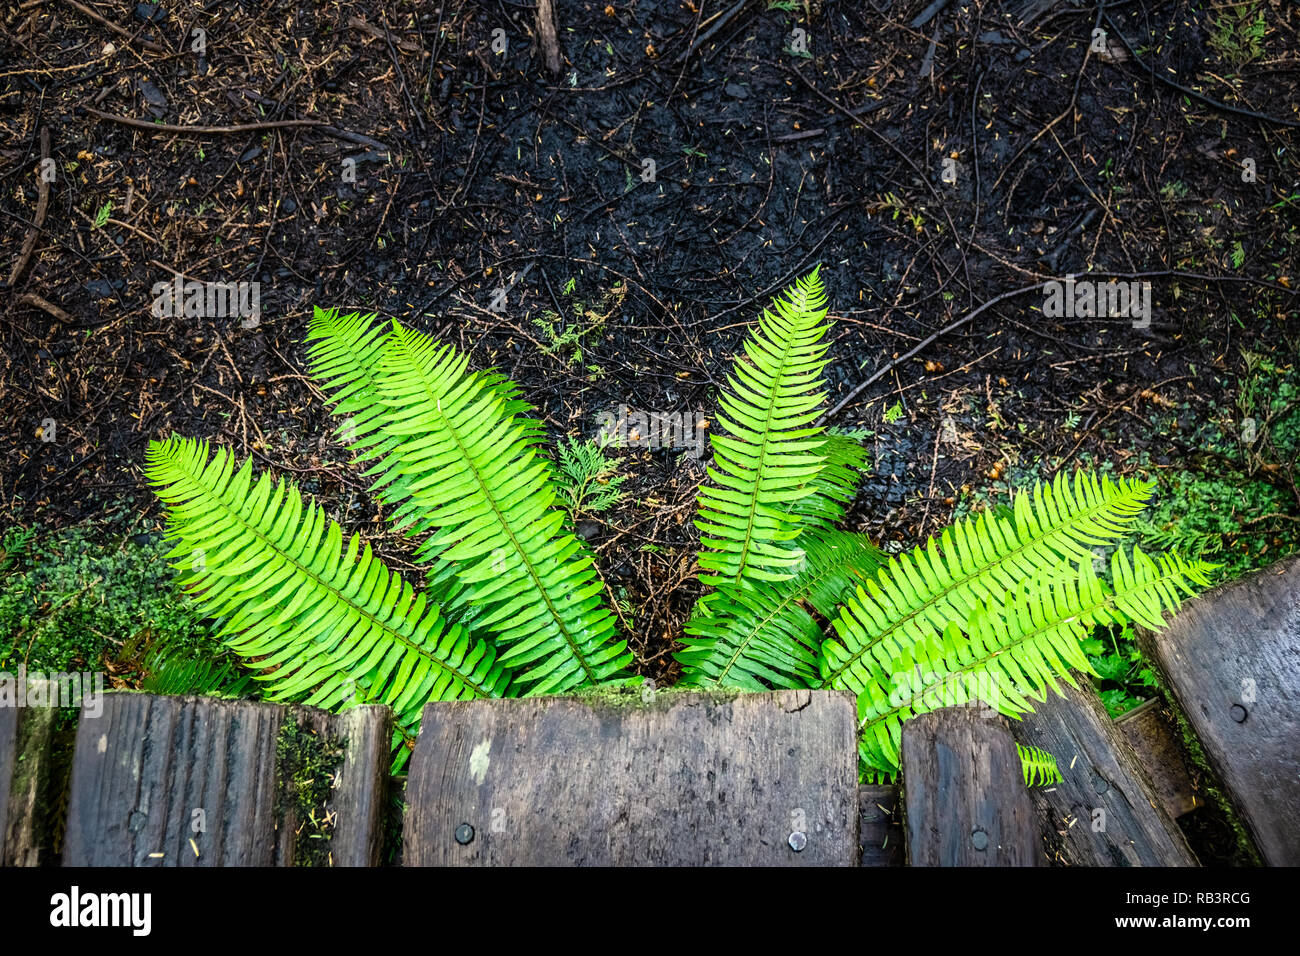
[
  {"x": 767, "y": 451},
  {"x": 452, "y": 447},
  {"x": 994, "y": 610},
  {"x": 1010, "y": 649},
  {"x": 981, "y": 557},
  {"x": 324, "y": 623},
  {"x": 835, "y": 484},
  {"x": 170, "y": 670},
  {"x": 588, "y": 478},
  {"x": 764, "y": 633},
  {"x": 1039, "y": 767}
]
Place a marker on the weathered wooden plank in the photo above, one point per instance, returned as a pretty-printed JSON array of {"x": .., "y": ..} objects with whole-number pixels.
[
  {"x": 964, "y": 798},
  {"x": 1231, "y": 660},
  {"x": 687, "y": 779},
  {"x": 192, "y": 781},
  {"x": 1161, "y": 754},
  {"x": 1105, "y": 811},
  {"x": 880, "y": 839},
  {"x": 359, "y": 795},
  {"x": 31, "y": 782}
]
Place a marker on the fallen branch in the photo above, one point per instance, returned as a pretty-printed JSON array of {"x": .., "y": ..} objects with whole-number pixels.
[
  {"x": 951, "y": 327},
  {"x": 86, "y": 11},
  {"x": 546, "y": 30},
  {"x": 31, "y": 298},
  {"x": 1011, "y": 294},
  {"x": 200, "y": 130},
  {"x": 708, "y": 34},
  {"x": 1155, "y": 74},
  {"x": 406, "y": 46},
  {"x": 42, "y": 204}
]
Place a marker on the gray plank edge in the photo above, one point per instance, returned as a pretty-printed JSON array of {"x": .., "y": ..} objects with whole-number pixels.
[
  {"x": 33, "y": 776},
  {"x": 359, "y": 795},
  {"x": 1105, "y": 811},
  {"x": 1230, "y": 660},
  {"x": 964, "y": 798},
  {"x": 195, "y": 781},
  {"x": 690, "y": 779}
]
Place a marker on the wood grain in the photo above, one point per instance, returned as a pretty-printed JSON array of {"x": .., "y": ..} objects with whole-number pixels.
[
  {"x": 964, "y": 798},
  {"x": 547, "y": 32},
  {"x": 1105, "y": 811},
  {"x": 690, "y": 779},
  {"x": 31, "y": 783},
  {"x": 192, "y": 781},
  {"x": 1231, "y": 660}
]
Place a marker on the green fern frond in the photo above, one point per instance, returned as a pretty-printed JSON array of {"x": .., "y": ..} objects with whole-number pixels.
[
  {"x": 762, "y": 635},
  {"x": 1012, "y": 648},
  {"x": 345, "y": 350},
  {"x": 1038, "y": 766},
  {"x": 472, "y": 479},
  {"x": 766, "y": 450},
  {"x": 981, "y": 557},
  {"x": 174, "y": 669},
  {"x": 835, "y": 484},
  {"x": 328, "y": 624}
]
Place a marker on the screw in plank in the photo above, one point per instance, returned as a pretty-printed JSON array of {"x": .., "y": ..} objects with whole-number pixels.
[
  {"x": 798, "y": 840},
  {"x": 464, "y": 834},
  {"x": 1238, "y": 713},
  {"x": 979, "y": 839}
]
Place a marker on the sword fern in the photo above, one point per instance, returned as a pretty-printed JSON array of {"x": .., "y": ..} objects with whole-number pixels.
[{"x": 991, "y": 610}]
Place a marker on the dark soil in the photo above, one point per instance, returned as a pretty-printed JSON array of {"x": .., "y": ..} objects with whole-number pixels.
[{"x": 477, "y": 170}]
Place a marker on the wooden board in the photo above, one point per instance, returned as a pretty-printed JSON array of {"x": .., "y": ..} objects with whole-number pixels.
[
  {"x": 191, "y": 781},
  {"x": 1160, "y": 752},
  {"x": 32, "y": 784},
  {"x": 688, "y": 779},
  {"x": 880, "y": 840},
  {"x": 964, "y": 798},
  {"x": 1231, "y": 660},
  {"x": 360, "y": 791},
  {"x": 8, "y": 760},
  {"x": 1105, "y": 811}
]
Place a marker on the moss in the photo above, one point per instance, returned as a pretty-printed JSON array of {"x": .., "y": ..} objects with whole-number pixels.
[
  {"x": 43, "y": 766},
  {"x": 306, "y": 765},
  {"x": 647, "y": 696},
  {"x": 90, "y": 598}
]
